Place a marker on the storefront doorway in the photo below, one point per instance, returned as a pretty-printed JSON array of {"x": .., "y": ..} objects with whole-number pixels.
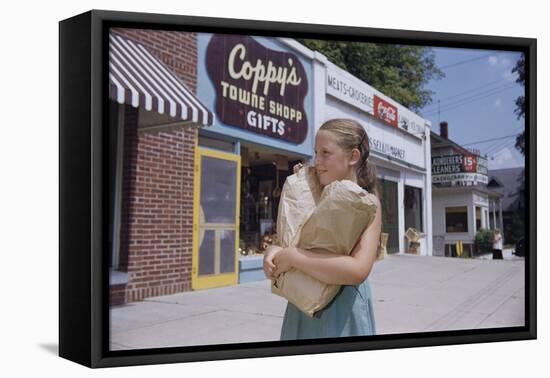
[
  {"x": 390, "y": 213},
  {"x": 264, "y": 172},
  {"x": 216, "y": 219}
]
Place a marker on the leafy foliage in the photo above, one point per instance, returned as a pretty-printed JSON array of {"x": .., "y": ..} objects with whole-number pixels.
[
  {"x": 398, "y": 71},
  {"x": 520, "y": 101},
  {"x": 484, "y": 240}
]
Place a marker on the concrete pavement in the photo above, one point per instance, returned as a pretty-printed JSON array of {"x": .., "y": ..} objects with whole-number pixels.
[{"x": 411, "y": 294}]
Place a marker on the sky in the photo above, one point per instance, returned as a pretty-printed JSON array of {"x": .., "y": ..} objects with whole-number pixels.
[{"x": 477, "y": 98}]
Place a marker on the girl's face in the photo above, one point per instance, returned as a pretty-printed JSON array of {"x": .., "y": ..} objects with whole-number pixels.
[{"x": 331, "y": 161}]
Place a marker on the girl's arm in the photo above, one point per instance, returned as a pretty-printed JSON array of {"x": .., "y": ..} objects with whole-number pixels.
[
  {"x": 269, "y": 254},
  {"x": 336, "y": 269}
]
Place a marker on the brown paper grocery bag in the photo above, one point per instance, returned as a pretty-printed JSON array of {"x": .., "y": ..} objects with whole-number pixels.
[{"x": 332, "y": 221}]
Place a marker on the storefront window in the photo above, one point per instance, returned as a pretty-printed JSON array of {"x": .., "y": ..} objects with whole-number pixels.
[
  {"x": 456, "y": 219},
  {"x": 113, "y": 123},
  {"x": 413, "y": 208},
  {"x": 259, "y": 203},
  {"x": 478, "y": 218},
  {"x": 114, "y": 181},
  {"x": 263, "y": 176}
]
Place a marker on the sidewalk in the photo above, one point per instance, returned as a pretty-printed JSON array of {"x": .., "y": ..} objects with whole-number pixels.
[{"x": 411, "y": 294}]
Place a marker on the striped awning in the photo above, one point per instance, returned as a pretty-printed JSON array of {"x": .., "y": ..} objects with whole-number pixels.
[{"x": 137, "y": 78}]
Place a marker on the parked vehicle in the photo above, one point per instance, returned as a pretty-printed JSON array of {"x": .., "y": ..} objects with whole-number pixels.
[{"x": 520, "y": 247}]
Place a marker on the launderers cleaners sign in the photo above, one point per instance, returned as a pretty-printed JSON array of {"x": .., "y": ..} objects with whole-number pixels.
[
  {"x": 258, "y": 89},
  {"x": 459, "y": 169}
]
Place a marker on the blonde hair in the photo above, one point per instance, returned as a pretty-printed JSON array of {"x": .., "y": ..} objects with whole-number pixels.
[{"x": 349, "y": 135}]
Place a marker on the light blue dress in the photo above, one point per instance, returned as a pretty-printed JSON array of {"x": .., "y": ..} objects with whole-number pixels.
[{"x": 349, "y": 314}]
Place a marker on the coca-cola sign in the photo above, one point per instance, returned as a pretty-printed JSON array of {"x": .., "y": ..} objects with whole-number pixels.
[
  {"x": 258, "y": 89},
  {"x": 385, "y": 111}
]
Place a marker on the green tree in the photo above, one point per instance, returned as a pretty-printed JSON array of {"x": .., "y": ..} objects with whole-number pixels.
[
  {"x": 516, "y": 228},
  {"x": 484, "y": 240},
  {"x": 398, "y": 71},
  {"x": 520, "y": 101}
]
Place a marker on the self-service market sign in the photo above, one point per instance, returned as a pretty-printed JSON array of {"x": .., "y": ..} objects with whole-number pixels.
[{"x": 258, "y": 89}]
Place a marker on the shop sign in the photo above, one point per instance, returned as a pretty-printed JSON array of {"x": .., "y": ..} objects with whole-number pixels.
[
  {"x": 464, "y": 179},
  {"x": 411, "y": 123},
  {"x": 361, "y": 97},
  {"x": 385, "y": 111},
  {"x": 258, "y": 89},
  {"x": 461, "y": 167},
  {"x": 386, "y": 148}
]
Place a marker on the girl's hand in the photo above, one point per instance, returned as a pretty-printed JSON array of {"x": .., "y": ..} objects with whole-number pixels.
[
  {"x": 283, "y": 261},
  {"x": 269, "y": 266}
]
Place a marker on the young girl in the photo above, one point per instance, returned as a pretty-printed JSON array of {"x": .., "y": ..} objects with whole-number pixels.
[{"x": 341, "y": 152}]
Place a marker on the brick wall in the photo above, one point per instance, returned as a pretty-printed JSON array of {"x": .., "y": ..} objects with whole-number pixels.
[
  {"x": 118, "y": 294},
  {"x": 157, "y": 201}
]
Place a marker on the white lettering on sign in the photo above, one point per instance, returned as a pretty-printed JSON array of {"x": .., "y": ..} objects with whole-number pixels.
[
  {"x": 444, "y": 169},
  {"x": 284, "y": 111},
  {"x": 349, "y": 91},
  {"x": 243, "y": 96},
  {"x": 248, "y": 98},
  {"x": 265, "y": 122},
  {"x": 361, "y": 95},
  {"x": 450, "y": 159},
  {"x": 260, "y": 73},
  {"x": 460, "y": 178},
  {"x": 387, "y": 112},
  {"x": 386, "y": 148}
]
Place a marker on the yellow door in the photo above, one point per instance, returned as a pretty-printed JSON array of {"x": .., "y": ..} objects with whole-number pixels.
[{"x": 216, "y": 219}]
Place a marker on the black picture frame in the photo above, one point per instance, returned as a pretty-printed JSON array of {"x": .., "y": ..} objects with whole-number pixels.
[{"x": 83, "y": 272}]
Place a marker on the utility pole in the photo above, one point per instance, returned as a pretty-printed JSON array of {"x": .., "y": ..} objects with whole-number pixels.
[{"x": 439, "y": 112}]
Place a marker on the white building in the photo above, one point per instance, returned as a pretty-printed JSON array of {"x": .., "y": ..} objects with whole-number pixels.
[{"x": 461, "y": 203}]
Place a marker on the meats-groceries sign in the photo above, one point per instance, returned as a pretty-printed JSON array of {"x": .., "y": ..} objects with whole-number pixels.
[{"x": 258, "y": 89}]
